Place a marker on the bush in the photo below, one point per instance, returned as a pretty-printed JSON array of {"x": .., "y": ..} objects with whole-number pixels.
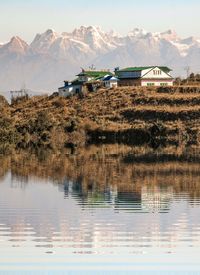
[
  {"x": 71, "y": 126},
  {"x": 9, "y": 136},
  {"x": 43, "y": 122},
  {"x": 60, "y": 102},
  {"x": 5, "y": 122}
]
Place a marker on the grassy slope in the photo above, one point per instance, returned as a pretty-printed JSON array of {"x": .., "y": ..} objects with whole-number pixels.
[{"x": 112, "y": 110}]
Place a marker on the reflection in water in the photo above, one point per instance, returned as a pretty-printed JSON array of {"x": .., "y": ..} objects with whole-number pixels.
[{"x": 106, "y": 204}]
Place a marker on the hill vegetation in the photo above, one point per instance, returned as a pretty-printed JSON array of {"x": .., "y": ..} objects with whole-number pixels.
[{"x": 124, "y": 115}]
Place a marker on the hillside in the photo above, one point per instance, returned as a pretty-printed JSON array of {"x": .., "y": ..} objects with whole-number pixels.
[{"x": 129, "y": 115}]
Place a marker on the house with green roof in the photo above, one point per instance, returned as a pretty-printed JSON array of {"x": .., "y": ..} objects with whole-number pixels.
[
  {"x": 145, "y": 76},
  {"x": 91, "y": 79},
  {"x": 91, "y": 75}
]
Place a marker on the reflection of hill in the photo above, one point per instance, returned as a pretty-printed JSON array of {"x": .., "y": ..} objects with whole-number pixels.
[
  {"x": 152, "y": 158},
  {"x": 4, "y": 166},
  {"x": 94, "y": 200},
  {"x": 99, "y": 170}
]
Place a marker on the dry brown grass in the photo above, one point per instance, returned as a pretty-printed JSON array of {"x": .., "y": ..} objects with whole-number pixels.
[{"x": 112, "y": 110}]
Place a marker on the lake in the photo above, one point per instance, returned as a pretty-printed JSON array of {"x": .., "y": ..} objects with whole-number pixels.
[{"x": 109, "y": 209}]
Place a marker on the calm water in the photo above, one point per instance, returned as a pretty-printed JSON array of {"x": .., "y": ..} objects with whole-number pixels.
[{"x": 104, "y": 210}]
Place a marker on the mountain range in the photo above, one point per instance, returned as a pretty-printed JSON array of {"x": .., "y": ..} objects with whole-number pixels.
[{"x": 52, "y": 57}]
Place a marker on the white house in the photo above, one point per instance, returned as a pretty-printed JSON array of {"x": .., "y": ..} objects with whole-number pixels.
[
  {"x": 70, "y": 88},
  {"x": 145, "y": 76},
  {"x": 110, "y": 81}
]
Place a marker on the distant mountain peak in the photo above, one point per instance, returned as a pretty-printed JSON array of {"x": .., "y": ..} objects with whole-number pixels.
[
  {"x": 90, "y": 28},
  {"x": 50, "y": 31},
  {"x": 17, "y": 45},
  {"x": 17, "y": 40},
  {"x": 52, "y": 57},
  {"x": 136, "y": 32},
  {"x": 42, "y": 42},
  {"x": 190, "y": 40},
  {"x": 85, "y": 30},
  {"x": 169, "y": 35}
]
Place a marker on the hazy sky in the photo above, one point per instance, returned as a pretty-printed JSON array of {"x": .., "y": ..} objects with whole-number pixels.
[{"x": 25, "y": 18}]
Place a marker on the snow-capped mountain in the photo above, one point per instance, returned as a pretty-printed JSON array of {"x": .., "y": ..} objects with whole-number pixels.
[
  {"x": 53, "y": 57},
  {"x": 43, "y": 42},
  {"x": 16, "y": 45}
]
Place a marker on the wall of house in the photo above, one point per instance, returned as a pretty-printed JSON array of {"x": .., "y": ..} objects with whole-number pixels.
[
  {"x": 129, "y": 82},
  {"x": 155, "y": 73},
  {"x": 65, "y": 91},
  {"x": 156, "y": 83},
  {"x": 110, "y": 84},
  {"x": 71, "y": 90}
]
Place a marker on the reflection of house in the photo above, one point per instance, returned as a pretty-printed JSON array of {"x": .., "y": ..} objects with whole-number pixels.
[
  {"x": 156, "y": 198},
  {"x": 145, "y": 76},
  {"x": 128, "y": 200}
]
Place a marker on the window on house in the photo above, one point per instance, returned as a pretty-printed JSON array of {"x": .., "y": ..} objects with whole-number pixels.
[
  {"x": 150, "y": 84},
  {"x": 157, "y": 72}
]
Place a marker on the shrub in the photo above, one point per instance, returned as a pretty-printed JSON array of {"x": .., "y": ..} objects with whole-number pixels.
[
  {"x": 71, "y": 126},
  {"x": 43, "y": 122},
  {"x": 5, "y": 122},
  {"x": 59, "y": 103}
]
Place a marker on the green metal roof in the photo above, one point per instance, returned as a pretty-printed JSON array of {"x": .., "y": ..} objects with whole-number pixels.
[
  {"x": 76, "y": 82},
  {"x": 96, "y": 79},
  {"x": 137, "y": 69},
  {"x": 165, "y": 69},
  {"x": 95, "y": 73}
]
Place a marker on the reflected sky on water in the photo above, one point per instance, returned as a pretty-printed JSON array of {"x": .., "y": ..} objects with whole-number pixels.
[{"x": 74, "y": 221}]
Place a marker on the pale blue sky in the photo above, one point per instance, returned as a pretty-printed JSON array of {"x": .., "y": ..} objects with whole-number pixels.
[{"x": 28, "y": 17}]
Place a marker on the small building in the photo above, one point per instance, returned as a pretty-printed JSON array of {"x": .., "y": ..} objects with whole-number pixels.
[
  {"x": 70, "y": 88},
  {"x": 90, "y": 79},
  {"x": 145, "y": 76},
  {"x": 110, "y": 81}
]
